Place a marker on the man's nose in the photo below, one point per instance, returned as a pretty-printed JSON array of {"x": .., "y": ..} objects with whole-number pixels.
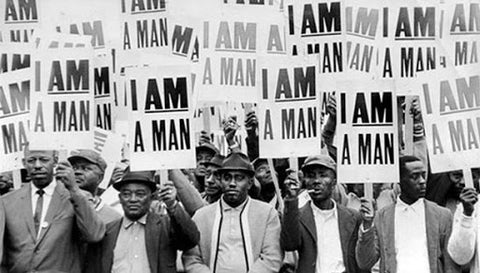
[
  {"x": 134, "y": 198},
  {"x": 37, "y": 163}
]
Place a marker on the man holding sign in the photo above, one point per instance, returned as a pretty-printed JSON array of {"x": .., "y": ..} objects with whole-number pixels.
[
  {"x": 463, "y": 243},
  {"x": 323, "y": 232},
  {"x": 411, "y": 235},
  {"x": 42, "y": 224}
]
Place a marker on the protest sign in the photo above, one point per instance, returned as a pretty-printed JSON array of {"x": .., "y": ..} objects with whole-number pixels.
[
  {"x": 411, "y": 31},
  {"x": 103, "y": 89},
  {"x": 461, "y": 32},
  {"x": 451, "y": 114},
  {"x": 185, "y": 22},
  {"x": 14, "y": 112},
  {"x": 315, "y": 27},
  {"x": 62, "y": 101},
  {"x": 19, "y": 20},
  {"x": 363, "y": 35},
  {"x": 108, "y": 145},
  {"x": 144, "y": 28},
  {"x": 230, "y": 45},
  {"x": 15, "y": 56},
  {"x": 289, "y": 109},
  {"x": 160, "y": 118},
  {"x": 97, "y": 19},
  {"x": 367, "y": 132}
]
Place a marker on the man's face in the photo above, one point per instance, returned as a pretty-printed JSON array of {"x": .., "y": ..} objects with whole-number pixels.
[
  {"x": 87, "y": 174},
  {"x": 456, "y": 177},
  {"x": 263, "y": 174},
  {"x": 40, "y": 167},
  {"x": 412, "y": 182},
  {"x": 320, "y": 182},
  {"x": 203, "y": 156},
  {"x": 458, "y": 182},
  {"x": 135, "y": 199},
  {"x": 213, "y": 185},
  {"x": 235, "y": 187}
]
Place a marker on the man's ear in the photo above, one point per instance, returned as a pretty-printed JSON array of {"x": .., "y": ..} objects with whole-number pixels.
[
  {"x": 100, "y": 176},
  {"x": 250, "y": 182}
]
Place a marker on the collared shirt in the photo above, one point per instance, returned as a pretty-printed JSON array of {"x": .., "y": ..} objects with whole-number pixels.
[
  {"x": 411, "y": 237},
  {"x": 130, "y": 253},
  {"x": 231, "y": 253},
  {"x": 47, "y": 197},
  {"x": 329, "y": 247}
]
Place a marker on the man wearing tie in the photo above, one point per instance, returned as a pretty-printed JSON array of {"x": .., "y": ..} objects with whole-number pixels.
[{"x": 43, "y": 224}]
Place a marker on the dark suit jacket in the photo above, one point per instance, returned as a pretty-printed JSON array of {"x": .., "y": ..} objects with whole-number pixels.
[
  {"x": 299, "y": 233},
  {"x": 379, "y": 241},
  {"x": 164, "y": 235},
  {"x": 70, "y": 219}
]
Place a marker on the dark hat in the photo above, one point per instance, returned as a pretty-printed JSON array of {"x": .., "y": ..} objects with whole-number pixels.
[
  {"x": 207, "y": 146},
  {"x": 320, "y": 160},
  {"x": 90, "y": 156},
  {"x": 217, "y": 161},
  {"x": 237, "y": 162},
  {"x": 143, "y": 177},
  {"x": 258, "y": 161}
]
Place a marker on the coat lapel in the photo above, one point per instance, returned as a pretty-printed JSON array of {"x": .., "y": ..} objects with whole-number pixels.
[
  {"x": 152, "y": 240},
  {"x": 110, "y": 240},
  {"x": 55, "y": 205},
  {"x": 26, "y": 209},
  {"x": 431, "y": 224},
  {"x": 346, "y": 226},
  {"x": 389, "y": 237},
  {"x": 306, "y": 218}
]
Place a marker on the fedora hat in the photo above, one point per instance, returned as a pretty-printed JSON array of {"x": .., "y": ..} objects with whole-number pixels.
[
  {"x": 216, "y": 161},
  {"x": 207, "y": 146},
  {"x": 237, "y": 162},
  {"x": 143, "y": 177}
]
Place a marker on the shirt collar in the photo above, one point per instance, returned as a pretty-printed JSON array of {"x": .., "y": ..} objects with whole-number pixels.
[
  {"x": 227, "y": 207},
  {"x": 417, "y": 206},
  {"x": 325, "y": 212},
  {"x": 48, "y": 190},
  {"x": 128, "y": 223}
]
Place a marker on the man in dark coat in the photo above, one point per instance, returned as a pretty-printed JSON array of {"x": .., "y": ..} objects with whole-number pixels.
[{"x": 143, "y": 241}]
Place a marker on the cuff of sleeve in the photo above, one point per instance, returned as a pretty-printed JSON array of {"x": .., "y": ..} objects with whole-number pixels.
[
  {"x": 466, "y": 221},
  {"x": 363, "y": 230},
  {"x": 171, "y": 209}
]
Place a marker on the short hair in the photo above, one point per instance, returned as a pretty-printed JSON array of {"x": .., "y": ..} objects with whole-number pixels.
[{"x": 404, "y": 159}]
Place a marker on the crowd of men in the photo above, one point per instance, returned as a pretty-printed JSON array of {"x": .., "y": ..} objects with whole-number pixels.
[{"x": 226, "y": 216}]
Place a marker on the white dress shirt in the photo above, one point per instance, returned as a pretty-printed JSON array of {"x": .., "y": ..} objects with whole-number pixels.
[
  {"x": 47, "y": 197},
  {"x": 329, "y": 247},
  {"x": 411, "y": 237}
]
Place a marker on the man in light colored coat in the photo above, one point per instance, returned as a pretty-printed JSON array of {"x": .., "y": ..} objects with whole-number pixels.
[{"x": 237, "y": 233}]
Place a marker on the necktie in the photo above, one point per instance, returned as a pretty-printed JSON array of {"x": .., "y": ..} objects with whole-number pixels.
[{"x": 37, "y": 217}]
